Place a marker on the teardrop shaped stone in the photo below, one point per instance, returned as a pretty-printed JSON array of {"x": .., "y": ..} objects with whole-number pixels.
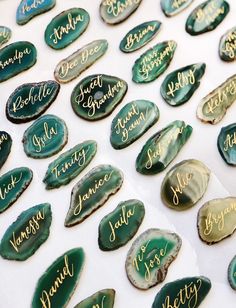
[
  {"x": 96, "y": 96},
  {"x": 70, "y": 164},
  {"x": 45, "y": 137},
  {"x": 226, "y": 144},
  {"x": 56, "y": 286},
  {"x": 227, "y": 48},
  {"x": 27, "y": 233},
  {"x": 30, "y": 100},
  {"x": 16, "y": 58},
  {"x": 5, "y": 35},
  {"x": 66, "y": 27},
  {"x": 72, "y": 66},
  {"x": 140, "y": 35},
  {"x": 179, "y": 86},
  {"x": 5, "y": 147},
  {"x": 207, "y": 16},
  {"x": 104, "y": 299},
  {"x": 92, "y": 191},
  {"x": 232, "y": 273},
  {"x": 132, "y": 121},
  {"x": 151, "y": 64},
  {"x": 185, "y": 184},
  {"x": 12, "y": 186},
  {"x": 159, "y": 151},
  {"x": 150, "y": 256},
  {"x": 121, "y": 225},
  {"x": 217, "y": 220},
  {"x": 173, "y": 7}
]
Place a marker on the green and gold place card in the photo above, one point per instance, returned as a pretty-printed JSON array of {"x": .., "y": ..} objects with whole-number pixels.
[
  {"x": 5, "y": 147},
  {"x": 227, "y": 47},
  {"x": 173, "y": 7},
  {"x": 101, "y": 299},
  {"x": 5, "y": 35}
]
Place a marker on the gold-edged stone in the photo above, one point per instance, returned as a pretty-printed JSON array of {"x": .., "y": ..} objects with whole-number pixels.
[
  {"x": 226, "y": 144},
  {"x": 173, "y": 7},
  {"x": 232, "y": 273},
  {"x": 101, "y": 299},
  {"x": 227, "y": 47},
  {"x": 5, "y": 35},
  {"x": 5, "y": 147}
]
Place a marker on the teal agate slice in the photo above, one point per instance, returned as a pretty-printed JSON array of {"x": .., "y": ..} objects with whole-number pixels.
[
  {"x": 174, "y": 7},
  {"x": 232, "y": 273},
  {"x": 5, "y": 147},
  {"x": 226, "y": 144},
  {"x": 5, "y": 35}
]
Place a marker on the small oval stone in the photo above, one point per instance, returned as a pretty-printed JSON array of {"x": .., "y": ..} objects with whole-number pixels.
[
  {"x": 5, "y": 147},
  {"x": 159, "y": 151},
  {"x": 92, "y": 191},
  {"x": 226, "y": 144},
  {"x": 5, "y": 35},
  {"x": 30, "y": 100},
  {"x": 151, "y": 64},
  {"x": 96, "y": 96},
  {"x": 150, "y": 256},
  {"x": 104, "y": 299},
  {"x": 45, "y": 137},
  {"x": 27, "y": 233},
  {"x": 227, "y": 47},
  {"x": 71, "y": 67},
  {"x": 232, "y": 273},
  {"x": 173, "y": 7},
  {"x": 66, "y": 27}
]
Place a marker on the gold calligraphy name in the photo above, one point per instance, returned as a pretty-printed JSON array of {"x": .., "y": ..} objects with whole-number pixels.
[
  {"x": 183, "y": 79},
  {"x": 34, "y": 5},
  {"x": 48, "y": 134},
  {"x": 230, "y": 141},
  {"x": 4, "y": 33},
  {"x": 18, "y": 56},
  {"x": 178, "y": 3},
  {"x": 3, "y": 138},
  {"x": 137, "y": 37},
  {"x": 210, "y": 12},
  {"x": 183, "y": 181},
  {"x": 116, "y": 7},
  {"x": 7, "y": 187},
  {"x": 102, "y": 303},
  {"x": 230, "y": 45}
]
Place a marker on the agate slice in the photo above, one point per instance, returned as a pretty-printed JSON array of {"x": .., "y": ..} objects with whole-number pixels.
[
  {"x": 227, "y": 48},
  {"x": 5, "y": 35},
  {"x": 27, "y": 233},
  {"x": 5, "y": 147},
  {"x": 232, "y": 273},
  {"x": 173, "y": 7},
  {"x": 150, "y": 256},
  {"x": 104, "y": 299},
  {"x": 226, "y": 144}
]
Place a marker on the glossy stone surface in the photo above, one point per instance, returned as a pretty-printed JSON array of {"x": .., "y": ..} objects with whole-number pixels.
[
  {"x": 71, "y": 67},
  {"x": 179, "y": 86},
  {"x": 104, "y": 299},
  {"x": 151, "y": 64},
  {"x": 159, "y": 151},
  {"x": 56, "y": 286},
  {"x": 150, "y": 256},
  {"x": 217, "y": 220},
  {"x": 227, "y": 47},
  {"x": 92, "y": 191},
  {"x": 96, "y": 96},
  {"x": 173, "y": 7},
  {"x": 140, "y": 35},
  {"x": 12, "y": 186},
  {"x": 207, "y": 16},
  {"x": 66, "y": 27},
  {"x": 121, "y": 225},
  {"x": 70, "y": 164},
  {"x": 30, "y": 100},
  {"x": 226, "y": 144},
  {"x": 185, "y": 184},
  {"x": 16, "y": 58},
  {"x": 27, "y": 233},
  {"x": 5, "y": 35},
  {"x": 232, "y": 273},
  {"x": 5, "y": 147}
]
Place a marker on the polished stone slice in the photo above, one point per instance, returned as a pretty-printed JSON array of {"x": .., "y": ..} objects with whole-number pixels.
[
  {"x": 45, "y": 137},
  {"x": 217, "y": 220},
  {"x": 159, "y": 151},
  {"x": 16, "y": 58},
  {"x": 140, "y": 35},
  {"x": 173, "y": 7},
  {"x": 232, "y": 273},
  {"x": 66, "y": 27},
  {"x": 56, "y": 286},
  {"x": 104, "y": 299},
  {"x": 91, "y": 192},
  {"x": 71, "y": 67},
  {"x": 207, "y": 16},
  {"x": 27, "y": 233},
  {"x": 150, "y": 256},
  {"x": 12, "y": 186},
  {"x": 226, "y": 144},
  {"x": 153, "y": 62},
  {"x": 70, "y": 164},
  {"x": 96, "y": 96},
  {"x": 185, "y": 184},
  {"x": 5, "y": 147},
  {"x": 30, "y": 100},
  {"x": 5, "y": 35},
  {"x": 121, "y": 225},
  {"x": 227, "y": 47},
  {"x": 179, "y": 86}
]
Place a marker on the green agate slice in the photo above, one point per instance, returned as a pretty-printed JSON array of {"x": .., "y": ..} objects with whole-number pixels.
[
  {"x": 56, "y": 286},
  {"x": 92, "y": 191},
  {"x": 227, "y": 48},
  {"x": 150, "y": 256},
  {"x": 226, "y": 144},
  {"x": 101, "y": 299},
  {"x": 232, "y": 273},
  {"x": 159, "y": 151},
  {"x": 5, "y": 35},
  {"x": 27, "y": 233},
  {"x": 121, "y": 225},
  {"x": 173, "y": 7},
  {"x": 151, "y": 64},
  {"x": 5, "y": 147}
]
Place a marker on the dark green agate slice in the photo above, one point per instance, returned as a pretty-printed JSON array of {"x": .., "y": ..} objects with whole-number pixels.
[
  {"x": 5, "y": 147},
  {"x": 226, "y": 144},
  {"x": 101, "y": 299},
  {"x": 173, "y": 7},
  {"x": 227, "y": 47}
]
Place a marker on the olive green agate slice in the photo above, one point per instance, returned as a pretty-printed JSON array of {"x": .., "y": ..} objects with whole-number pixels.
[
  {"x": 66, "y": 27},
  {"x": 70, "y": 164},
  {"x": 96, "y": 96},
  {"x": 16, "y": 58},
  {"x": 139, "y": 36},
  {"x": 12, "y": 186},
  {"x": 27, "y": 233},
  {"x": 187, "y": 292},
  {"x": 173, "y": 7},
  {"x": 226, "y": 144},
  {"x": 5, "y": 147},
  {"x": 217, "y": 220},
  {"x": 30, "y": 100},
  {"x": 185, "y": 184},
  {"x": 151, "y": 64},
  {"x": 56, "y": 286},
  {"x": 104, "y": 299},
  {"x": 227, "y": 47},
  {"x": 179, "y": 86},
  {"x": 232, "y": 273},
  {"x": 121, "y": 225},
  {"x": 45, "y": 137},
  {"x": 92, "y": 191},
  {"x": 207, "y": 16},
  {"x": 150, "y": 256},
  {"x": 5, "y": 35},
  {"x": 71, "y": 67},
  {"x": 159, "y": 151}
]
